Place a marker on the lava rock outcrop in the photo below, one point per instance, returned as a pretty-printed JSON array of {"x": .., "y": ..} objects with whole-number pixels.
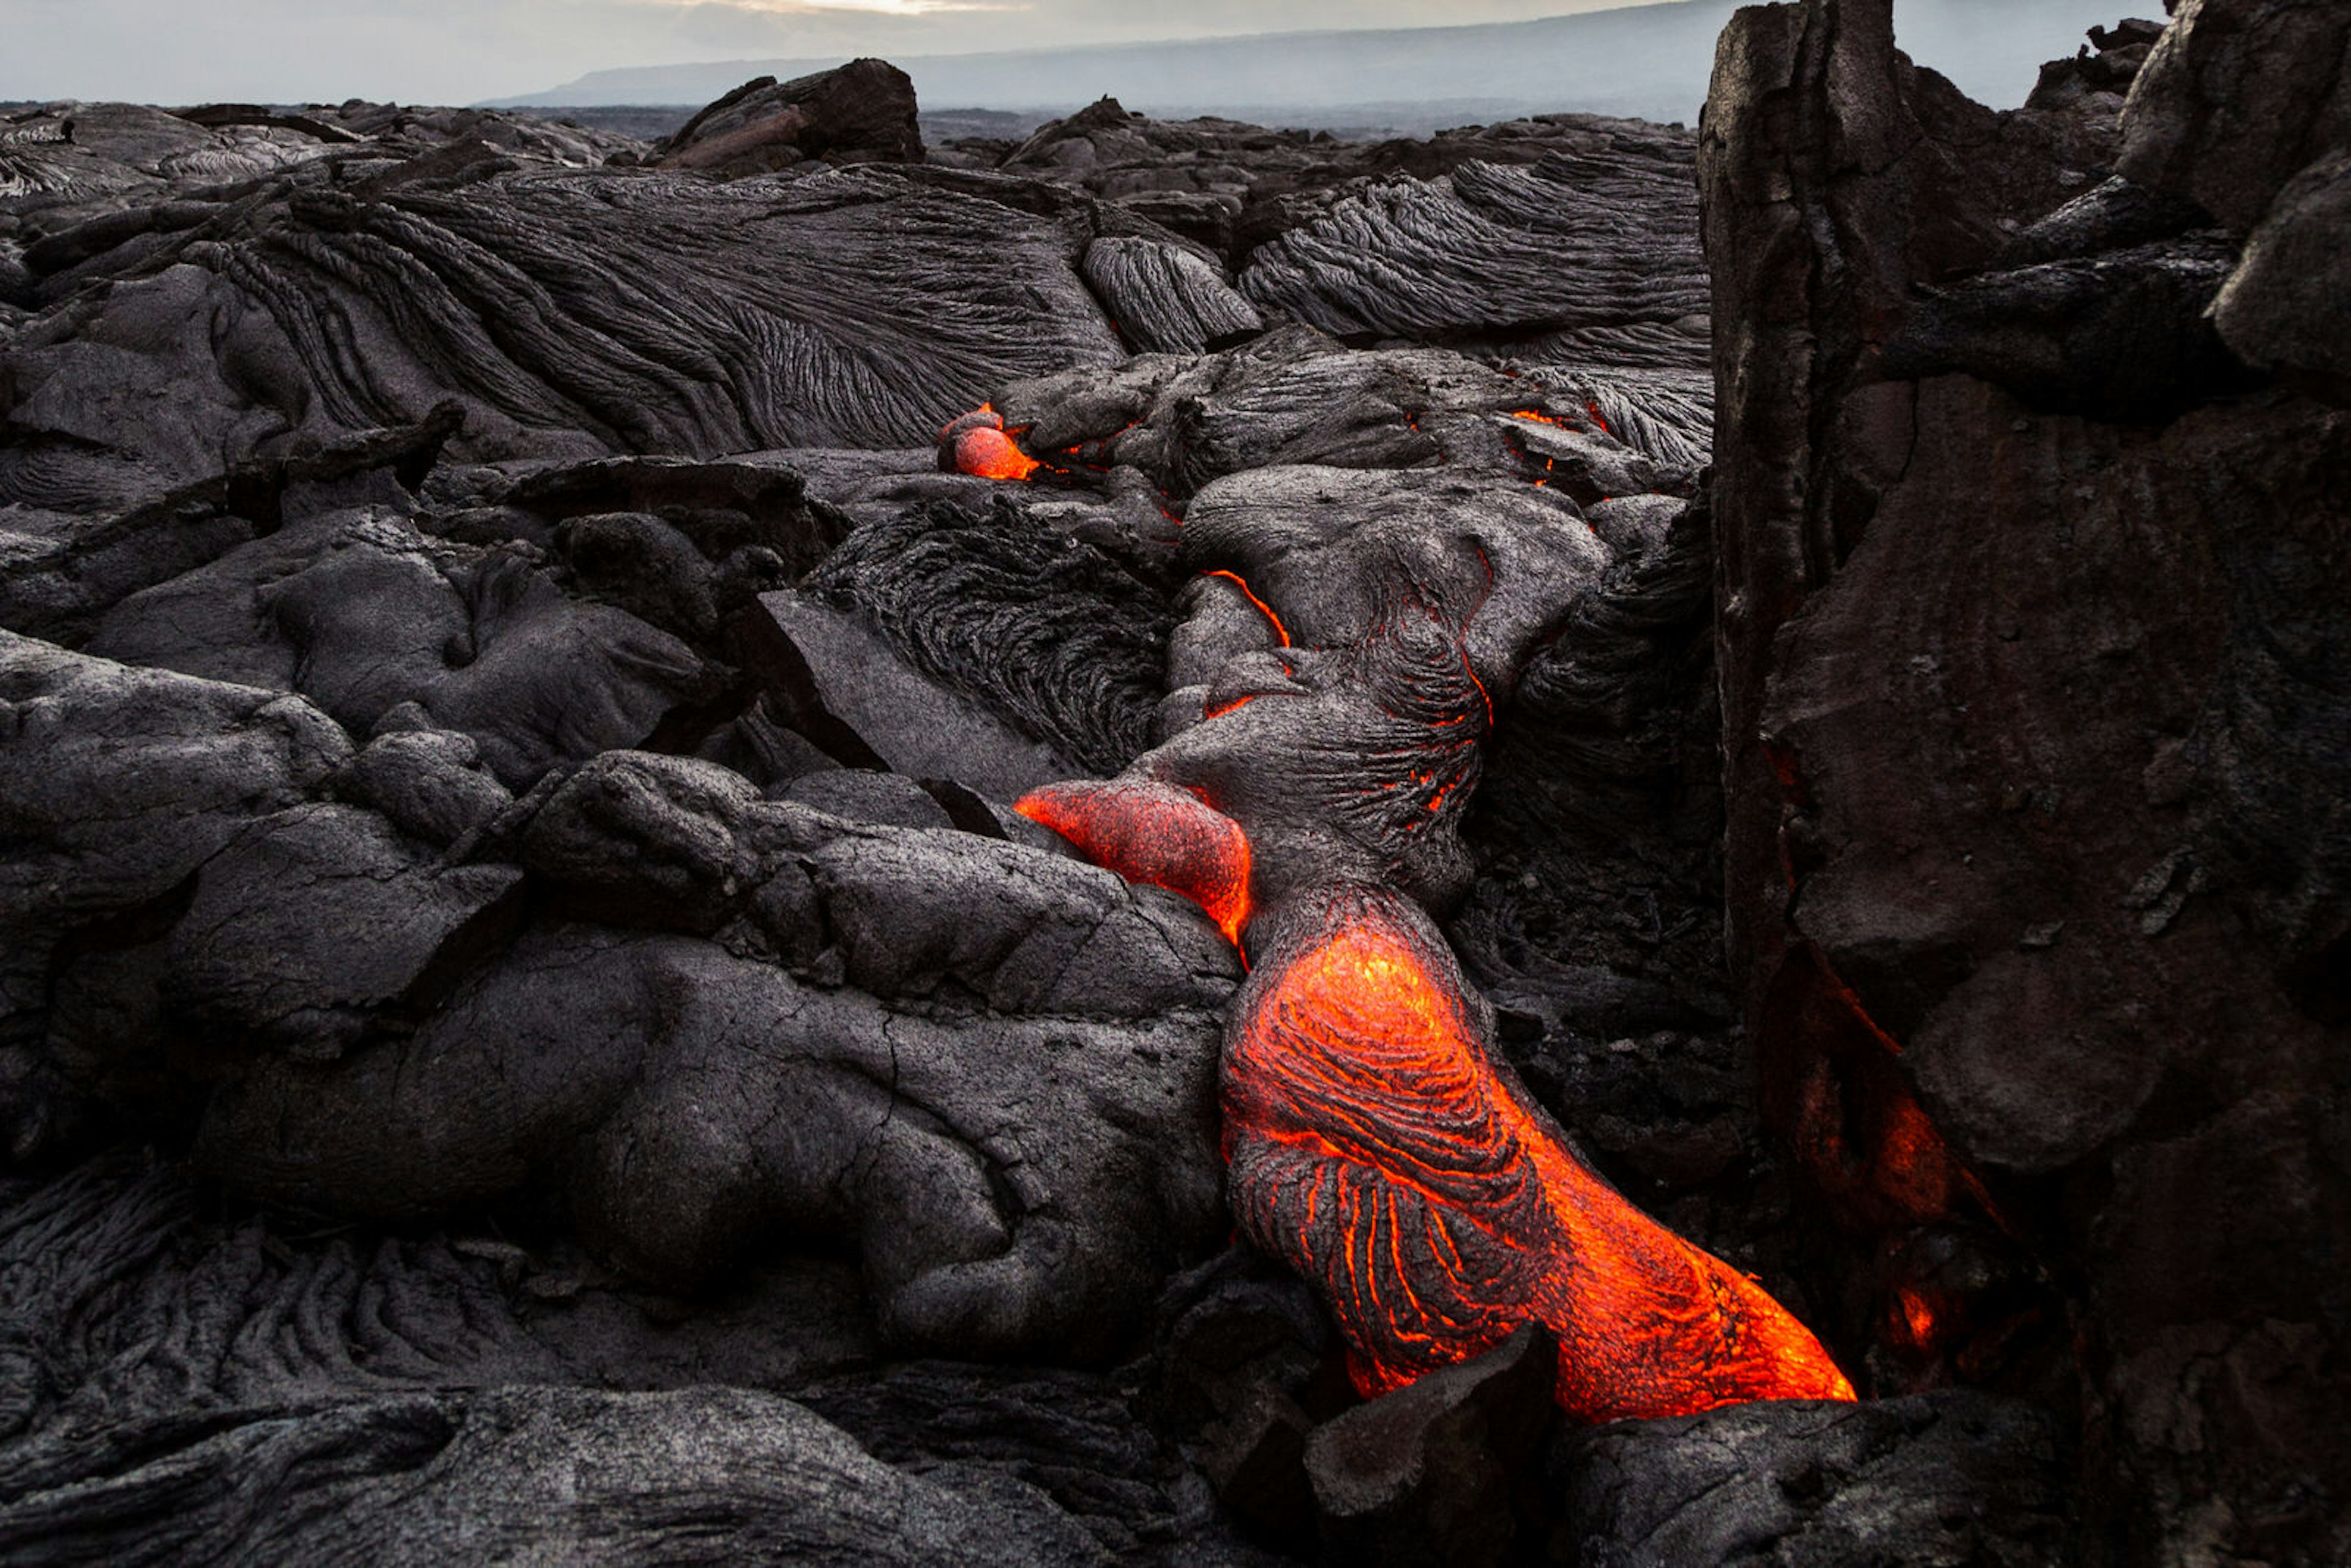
[{"x": 2033, "y": 719}]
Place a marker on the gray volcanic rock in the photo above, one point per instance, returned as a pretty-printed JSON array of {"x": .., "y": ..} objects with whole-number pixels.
[
  {"x": 1424, "y": 1475},
  {"x": 258, "y": 1317},
  {"x": 66, "y": 567},
  {"x": 1039, "y": 620},
  {"x": 120, "y": 784},
  {"x": 513, "y": 1474},
  {"x": 861, "y": 795},
  {"x": 363, "y": 613},
  {"x": 1616, "y": 234},
  {"x": 811, "y": 316},
  {"x": 899, "y": 1122},
  {"x": 1565, "y": 241},
  {"x": 1087, "y": 1074},
  {"x": 1164, "y": 299},
  {"x": 1295, "y": 396},
  {"x": 430, "y": 783},
  {"x": 312, "y": 921},
  {"x": 1933, "y": 1480},
  {"x": 848, "y": 689},
  {"x": 860, "y": 113},
  {"x": 1070, "y": 1434}
]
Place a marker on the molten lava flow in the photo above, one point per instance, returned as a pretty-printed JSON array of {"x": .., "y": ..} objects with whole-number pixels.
[
  {"x": 991, "y": 455},
  {"x": 1154, "y": 833},
  {"x": 1372, "y": 1142},
  {"x": 1374, "y": 1148},
  {"x": 1263, "y": 608},
  {"x": 978, "y": 444}
]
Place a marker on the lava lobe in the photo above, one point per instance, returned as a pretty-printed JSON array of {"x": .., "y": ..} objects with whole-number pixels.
[{"x": 1373, "y": 1140}]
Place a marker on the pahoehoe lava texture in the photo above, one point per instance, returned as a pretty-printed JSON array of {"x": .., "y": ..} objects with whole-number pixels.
[
  {"x": 1070, "y": 643},
  {"x": 532, "y": 1029},
  {"x": 1591, "y": 241},
  {"x": 573, "y": 313}
]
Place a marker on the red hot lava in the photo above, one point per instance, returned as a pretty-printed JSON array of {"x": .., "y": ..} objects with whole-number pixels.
[
  {"x": 978, "y": 444},
  {"x": 1374, "y": 1142},
  {"x": 1373, "y": 1147},
  {"x": 1157, "y": 834}
]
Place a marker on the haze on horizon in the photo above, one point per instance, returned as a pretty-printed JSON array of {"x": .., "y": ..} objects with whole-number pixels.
[
  {"x": 461, "y": 51},
  {"x": 466, "y": 51}
]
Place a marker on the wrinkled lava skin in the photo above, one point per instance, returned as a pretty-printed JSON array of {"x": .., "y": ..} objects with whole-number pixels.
[
  {"x": 1373, "y": 1146},
  {"x": 1371, "y": 1140}
]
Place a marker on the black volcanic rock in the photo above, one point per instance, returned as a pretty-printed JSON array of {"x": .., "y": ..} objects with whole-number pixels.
[
  {"x": 120, "y": 784},
  {"x": 846, "y": 688},
  {"x": 1424, "y": 1475},
  {"x": 2282, "y": 310},
  {"x": 862, "y": 113},
  {"x": 1932, "y": 1479},
  {"x": 1615, "y": 229},
  {"x": 2033, "y": 707},
  {"x": 363, "y": 613},
  {"x": 313, "y": 922},
  {"x": 2237, "y": 98},
  {"x": 412, "y": 1478}
]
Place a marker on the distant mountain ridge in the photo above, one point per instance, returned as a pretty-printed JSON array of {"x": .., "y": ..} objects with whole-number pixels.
[{"x": 1647, "y": 61}]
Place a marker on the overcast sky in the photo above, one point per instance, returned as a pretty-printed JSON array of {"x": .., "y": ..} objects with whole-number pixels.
[{"x": 461, "y": 51}]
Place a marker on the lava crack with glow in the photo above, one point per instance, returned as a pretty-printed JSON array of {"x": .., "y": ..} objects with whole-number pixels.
[{"x": 1309, "y": 800}]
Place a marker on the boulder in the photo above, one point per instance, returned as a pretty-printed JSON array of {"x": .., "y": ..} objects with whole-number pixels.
[
  {"x": 1426, "y": 1475},
  {"x": 1959, "y": 1477},
  {"x": 429, "y": 782},
  {"x": 2284, "y": 308},
  {"x": 858, "y": 113},
  {"x": 2237, "y": 98},
  {"x": 313, "y": 922},
  {"x": 117, "y": 785}
]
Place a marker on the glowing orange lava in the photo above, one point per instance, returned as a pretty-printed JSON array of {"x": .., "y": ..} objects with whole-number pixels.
[
  {"x": 978, "y": 444},
  {"x": 1372, "y": 1142},
  {"x": 1263, "y": 608},
  {"x": 992, "y": 455},
  {"x": 1374, "y": 1148},
  {"x": 1157, "y": 834}
]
